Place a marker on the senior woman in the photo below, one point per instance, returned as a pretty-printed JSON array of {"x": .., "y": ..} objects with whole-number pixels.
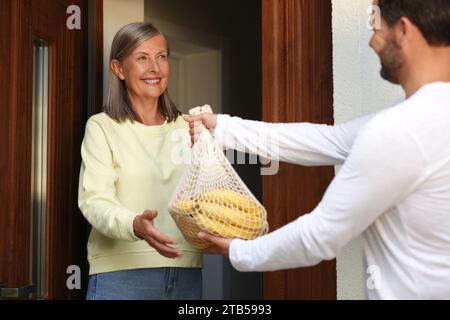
[{"x": 128, "y": 174}]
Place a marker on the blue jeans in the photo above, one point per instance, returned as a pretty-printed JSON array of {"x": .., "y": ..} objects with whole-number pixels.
[{"x": 147, "y": 284}]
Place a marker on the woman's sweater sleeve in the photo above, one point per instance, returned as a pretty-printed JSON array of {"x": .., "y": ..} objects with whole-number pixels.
[
  {"x": 299, "y": 143},
  {"x": 96, "y": 193}
]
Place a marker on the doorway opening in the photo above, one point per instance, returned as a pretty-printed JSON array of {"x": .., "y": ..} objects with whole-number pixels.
[{"x": 216, "y": 60}]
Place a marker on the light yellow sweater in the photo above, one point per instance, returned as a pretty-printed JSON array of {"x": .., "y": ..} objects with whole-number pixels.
[{"x": 126, "y": 169}]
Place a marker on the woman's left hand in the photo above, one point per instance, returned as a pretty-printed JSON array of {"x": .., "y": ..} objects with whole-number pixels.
[
  {"x": 144, "y": 228},
  {"x": 218, "y": 245}
]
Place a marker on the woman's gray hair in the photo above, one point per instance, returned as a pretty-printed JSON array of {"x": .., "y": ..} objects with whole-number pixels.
[{"x": 118, "y": 105}]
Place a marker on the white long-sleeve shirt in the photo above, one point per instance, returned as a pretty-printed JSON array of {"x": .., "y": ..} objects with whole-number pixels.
[{"x": 393, "y": 188}]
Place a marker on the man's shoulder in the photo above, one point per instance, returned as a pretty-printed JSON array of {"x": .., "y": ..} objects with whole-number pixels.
[
  {"x": 425, "y": 108},
  {"x": 389, "y": 124},
  {"x": 386, "y": 118}
]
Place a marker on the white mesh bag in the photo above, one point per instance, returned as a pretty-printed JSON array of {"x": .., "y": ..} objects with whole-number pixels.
[{"x": 212, "y": 197}]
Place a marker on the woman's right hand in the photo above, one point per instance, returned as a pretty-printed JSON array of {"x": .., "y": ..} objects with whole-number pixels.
[
  {"x": 144, "y": 229},
  {"x": 209, "y": 120}
]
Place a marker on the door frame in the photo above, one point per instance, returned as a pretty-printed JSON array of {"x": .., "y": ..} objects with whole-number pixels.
[
  {"x": 66, "y": 239},
  {"x": 297, "y": 87}
]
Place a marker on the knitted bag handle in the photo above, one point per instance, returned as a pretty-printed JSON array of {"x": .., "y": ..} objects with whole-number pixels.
[{"x": 212, "y": 197}]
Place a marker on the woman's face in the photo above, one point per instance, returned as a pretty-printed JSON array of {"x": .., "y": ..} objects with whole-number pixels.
[{"x": 146, "y": 70}]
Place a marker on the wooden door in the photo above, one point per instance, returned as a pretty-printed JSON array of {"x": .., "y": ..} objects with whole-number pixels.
[
  {"x": 43, "y": 66},
  {"x": 297, "y": 87}
]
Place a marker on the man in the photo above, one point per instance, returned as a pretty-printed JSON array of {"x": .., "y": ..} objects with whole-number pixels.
[{"x": 394, "y": 186}]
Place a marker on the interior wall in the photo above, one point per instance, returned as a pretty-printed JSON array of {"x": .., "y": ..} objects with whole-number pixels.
[
  {"x": 234, "y": 28},
  {"x": 202, "y": 76},
  {"x": 116, "y": 14},
  {"x": 358, "y": 90},
  {"x": 210, "y": 16},
  {"x": 195, "y": 79}
]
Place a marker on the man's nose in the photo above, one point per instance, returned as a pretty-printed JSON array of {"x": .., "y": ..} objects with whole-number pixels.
[{"x": 371, "y": 42}]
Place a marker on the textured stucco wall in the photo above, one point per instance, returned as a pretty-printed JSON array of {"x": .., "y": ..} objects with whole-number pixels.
[{"x": 358, "y": 90}]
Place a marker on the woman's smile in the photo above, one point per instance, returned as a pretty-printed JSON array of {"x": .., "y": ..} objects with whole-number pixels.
[{"x": 153, "y": 81}]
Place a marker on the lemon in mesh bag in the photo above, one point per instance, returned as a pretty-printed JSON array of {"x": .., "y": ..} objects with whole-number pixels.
[{"x": 212, "y": 197}]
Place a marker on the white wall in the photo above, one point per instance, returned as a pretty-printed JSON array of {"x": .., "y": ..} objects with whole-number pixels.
[
  {"x": 117, "y": 13},
  {"x": 358, "y": 90}
]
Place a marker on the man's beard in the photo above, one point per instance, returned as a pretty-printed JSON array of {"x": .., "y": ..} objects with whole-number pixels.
[{"x": 391, "y": 62}]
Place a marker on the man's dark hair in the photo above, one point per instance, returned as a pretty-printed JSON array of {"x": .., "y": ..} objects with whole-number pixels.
[{"x": 432, "y": 17}]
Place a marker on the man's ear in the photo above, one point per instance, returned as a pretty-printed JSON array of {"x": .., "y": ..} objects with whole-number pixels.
[
  {"x": 404, "y": 30},
  {"x": 117, "y": 69}
]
